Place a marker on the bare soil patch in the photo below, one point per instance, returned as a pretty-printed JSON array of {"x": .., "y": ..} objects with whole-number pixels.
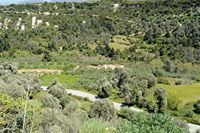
[
  {"x": 57, "y": 71},
  {"x": 106, "y": 66}
]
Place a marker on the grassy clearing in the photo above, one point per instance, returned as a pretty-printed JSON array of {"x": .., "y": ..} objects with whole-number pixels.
[
  {"x": 121, "y": 39},
  {"x": 62, "y": 78},
  {"x": 119, "y": 42},
  {"x": 186, "y": 93},
  {"x": 118, "y": 46}
]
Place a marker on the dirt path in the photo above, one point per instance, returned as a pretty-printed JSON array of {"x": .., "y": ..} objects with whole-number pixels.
[
  {"x": 106, "y": 66},
  {"x": 57, "y": 71}
]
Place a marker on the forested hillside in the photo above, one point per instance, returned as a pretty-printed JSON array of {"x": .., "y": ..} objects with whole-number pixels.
[
  {"x": 144, "y": 54},
  {"x": 169, "y": 28}
]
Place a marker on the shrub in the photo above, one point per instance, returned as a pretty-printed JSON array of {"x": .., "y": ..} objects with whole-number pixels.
[
  {"x": 188, "y": 113},
  {"x": 151, "y": 80},
  {"x": 183, "y": 82},
  {"x": 162, "y": 80},
  {"x": 142, "y": 123},
  {"x": 169, "y": 66},
  {"x": 143, "y": 84},
  {"x": 150, "y": 106},
  {"x": 50, "y": 101},
  {"x": 86, "y": 99},
  {"x": 70, "y": 108},
  {"x": 126, "y": 113},
  {"x": 93, "y": 87},
  {"x": 53, "y": 120},
  {"x": 56, "y": 90},
  {"x": 197, "y": 107},
  {"x": 143, "y": 103},
  {"x": 173, "y": 102},
  {"x": 47, "y": 57},
  {"x": 11, "y": 67},
  {"x": 104, "y": 89},
  {"x": 102, "y": 109},
  {"x": 12, "y": 89},
  {"x": 158, "y": 72},
  {"x": 93, "y": 126},
  {"x": 64, "y": 100},
  {"x": 160, "y": 95}
]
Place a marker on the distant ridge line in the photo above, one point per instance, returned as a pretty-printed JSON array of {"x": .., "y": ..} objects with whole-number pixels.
[{"x": 38, "y": 1}]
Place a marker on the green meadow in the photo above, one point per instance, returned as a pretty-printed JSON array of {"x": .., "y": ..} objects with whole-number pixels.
[
  {"x": 62, "y": 78},
  {"x": 185, "y": 93}
]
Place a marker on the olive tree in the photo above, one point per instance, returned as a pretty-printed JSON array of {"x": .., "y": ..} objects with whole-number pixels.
[
  {"x": 50, "y": 101},
  {"x": 161, "y": 98},
  {"x": 169, "y": 66},
  {"x": 102, "y": 109},
  {"x": 104, "y": 88},
  {"x": 56, "y": 89}
]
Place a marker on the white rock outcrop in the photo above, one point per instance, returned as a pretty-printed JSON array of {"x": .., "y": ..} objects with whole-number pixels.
[{"x": 34, "y": 19}]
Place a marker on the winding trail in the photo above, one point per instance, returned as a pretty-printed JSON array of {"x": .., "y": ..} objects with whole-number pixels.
[{"x": 91, "y": 97}]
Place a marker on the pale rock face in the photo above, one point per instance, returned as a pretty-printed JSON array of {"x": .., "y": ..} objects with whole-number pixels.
[
  {"x": 55, "y": 14},
  {"x": 46, "y": 13},
  {"x": 6, "y": 22},
  {"x": 55, "y": 26},
  {"x": 18, "y": 23},
  {"x": 73, "y": 7},
  {"x": 84, "y": 22},
  {"x": 47, "y": 23},
  {"x": 180, "y": 24},
  {"x": 23, "y": 27},
  {"x": 115, "y": 7},
  {"x": 55, "y": 7},
  {"x": 39, "y": 22},
  {"x": 34, "y": 22}
]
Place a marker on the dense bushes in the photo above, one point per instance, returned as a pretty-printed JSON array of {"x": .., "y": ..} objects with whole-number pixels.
[
  {"x": 55, "y": 111},
  {"x": 50, "y": 101},
  {"x": 56, "y": 90},
  {"x": 94, "y": 126},
  {"x": 162, "y": 80},
  {"x": 102, "y": 109},
  {"x": 139, "y": 122}
]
